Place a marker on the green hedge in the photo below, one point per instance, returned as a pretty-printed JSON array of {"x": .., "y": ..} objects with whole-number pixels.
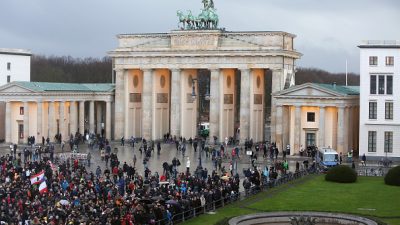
[
  {"x": 393, "y": 176},
  {"x": 341, "y": 174}
]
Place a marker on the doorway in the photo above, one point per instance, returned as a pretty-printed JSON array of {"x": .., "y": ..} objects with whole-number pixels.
[{"x": 310, "y": 139}]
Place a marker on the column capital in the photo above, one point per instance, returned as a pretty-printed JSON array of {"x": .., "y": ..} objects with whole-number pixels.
[
  {"x": 244, "y": 69},
  {"x": 215, "y": 70},
  {"x": 119, "y": 70},
  {"x": 175, "y": 70},
  {"x": 148, "y": 70}
]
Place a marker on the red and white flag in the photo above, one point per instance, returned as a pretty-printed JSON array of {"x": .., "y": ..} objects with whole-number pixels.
[
  {"x": 37, "y": 178},
  {"x": 43, "y": 187}
]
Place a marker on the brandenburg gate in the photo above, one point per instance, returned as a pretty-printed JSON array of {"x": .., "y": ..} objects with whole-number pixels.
[{"x": 154, "y": 72}]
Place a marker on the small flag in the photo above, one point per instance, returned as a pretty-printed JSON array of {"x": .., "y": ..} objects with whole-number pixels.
[
  {"x": 43, "y": 187},
  {"x": 37, "y": 178}
]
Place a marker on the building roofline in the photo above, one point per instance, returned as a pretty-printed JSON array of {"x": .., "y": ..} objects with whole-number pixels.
[{"x": 15, "y": 51}]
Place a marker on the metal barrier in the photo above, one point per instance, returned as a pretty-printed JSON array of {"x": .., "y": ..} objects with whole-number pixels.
[
  {"x": 212, "y": 206},
  {"x": 372, "y": 171}
]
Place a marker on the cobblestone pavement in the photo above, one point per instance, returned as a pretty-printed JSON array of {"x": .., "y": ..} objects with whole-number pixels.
[{"x": 168, "y": 152}]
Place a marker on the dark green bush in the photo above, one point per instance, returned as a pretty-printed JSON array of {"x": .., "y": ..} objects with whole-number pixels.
[
  {"x": 341, "y": 174},
  {"x": 393, "y": 176}
]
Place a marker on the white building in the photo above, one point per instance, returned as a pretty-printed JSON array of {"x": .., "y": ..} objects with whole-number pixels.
[
  {"x": 380, "y": 98},
  {"x": 322, "y": 115},
  {"x": 15, "y": 65}
]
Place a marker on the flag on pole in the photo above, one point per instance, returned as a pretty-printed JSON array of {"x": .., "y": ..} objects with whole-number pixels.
[
  {"x": 43, "y": 187},
  {"x": 37, "y": 178}
]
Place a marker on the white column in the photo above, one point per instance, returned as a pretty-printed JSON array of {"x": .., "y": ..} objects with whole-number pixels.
[
  {"x": 99, "y": 115},
  {"x": 91, "y": 117},
  {"x": 340, "y": 130},
  {"x": 82, "y": 117},
  {"x": 62, "y": 120},
  {"x": 215, "y": 104},
  {"x": 39, "y": 121},
  {"x": 108, "y": 120},
  {"x": 73, "y": 115},
  {"x": 321, "y": 129},
  {"x": 119, "y": 117},
  {"x": 277, "y": 75},
  {"x": 244, "y": 104},
  {"x": 26, "y": 121},
  {"x": 297, "y": 129},
  {"x": 8, "y": 122},
  {"x": 52, "y": 121},
  {"x": 345, "y": 128},
  {"x": 147, "y": 103},
  {"x": 176, "y": 106},
  {"x": 350, "y": 125},
  {"x": 279, "y": 128}
]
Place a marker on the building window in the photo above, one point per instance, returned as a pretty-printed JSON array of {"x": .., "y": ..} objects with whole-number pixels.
[
  {"x": 372, "y": 110},
  {"x": 389, "y": 60},
  {"x": 372, "y": 84},
  {"x": 389, "y": 84},
  {"x": 389, "y": 110},
  {"x": 8, "y": 66},
  {"x": 8, "y": 78},
  {"x": 21, "y": 110},
  {"x": 373, "y": 60},
  {"x": 388, "y": 141},
  {"x": 381, "y": 84},
  {"x": 310, "y": 117},
  {"x": 371, "y": 141}
]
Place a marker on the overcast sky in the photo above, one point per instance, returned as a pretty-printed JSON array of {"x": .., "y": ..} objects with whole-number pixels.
[{"x": 328, "y": 32}]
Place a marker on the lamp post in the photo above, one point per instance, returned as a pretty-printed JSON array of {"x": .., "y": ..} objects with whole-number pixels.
[{"x": 207, "y": 98}]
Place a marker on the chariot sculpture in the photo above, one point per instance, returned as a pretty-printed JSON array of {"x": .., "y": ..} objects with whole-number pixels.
[{"x": 206, "y": 20}]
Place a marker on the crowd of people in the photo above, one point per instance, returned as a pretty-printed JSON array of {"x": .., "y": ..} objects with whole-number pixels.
[{"x": 69, "y": 193}]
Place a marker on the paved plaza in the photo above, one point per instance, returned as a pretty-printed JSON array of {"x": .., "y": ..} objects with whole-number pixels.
[{"x": 168, "y": 152}]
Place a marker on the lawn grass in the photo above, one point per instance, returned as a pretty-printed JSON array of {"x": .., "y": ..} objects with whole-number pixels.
[{"x": 369, "y": 196}]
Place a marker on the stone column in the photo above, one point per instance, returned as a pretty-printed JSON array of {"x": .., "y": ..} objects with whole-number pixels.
[
  {"x": 147, "y": 104},
  {"x": 340, "y": 130},
  {"x": 176, "y": 106},
  {"x": 215, "y": 104},
  {"x": 279, "y": 128},
  {"x": 52, "y": 121},
  {"x": 99, "y": 115},
  {"x": 82, "y": 117},
  {"x": 62, "y": 120},
  {"x": 39, "y": 121},
  {"x": 345, "y": 128},
  {"x": 297, "y": 129},
  {"x": 351, "y": 124},
  {"x": 91, "y": 117},
  {"x": 8, "y": 122},
  {"x": 244, "y": 104},
  {"x": 119, "y": 117},
  {"x": 26, "y": 121},
  {"x": 73, "y": 115},
  {"x": 108, "y": 120},
  {"x": 277, "y": 75},
  {"x": 321, "y": 131}
]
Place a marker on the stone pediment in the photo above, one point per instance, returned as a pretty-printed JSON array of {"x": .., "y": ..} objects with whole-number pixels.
[
  {"x": 14, "y": 88},
  {"x": 308, "y": 90}
]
